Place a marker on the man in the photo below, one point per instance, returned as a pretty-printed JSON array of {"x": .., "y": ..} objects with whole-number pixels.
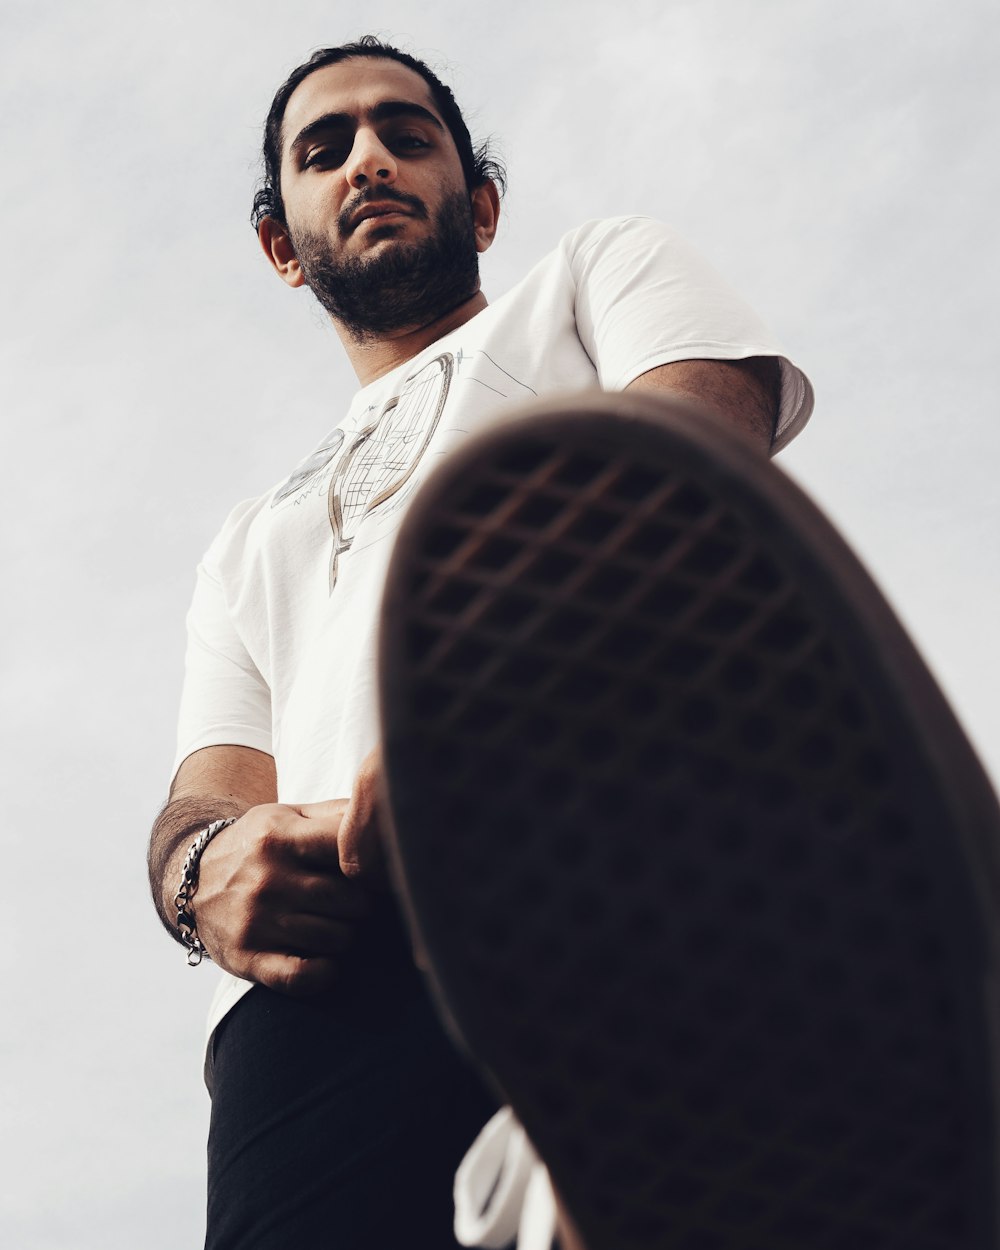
[{"x": 340, "y": 1110}]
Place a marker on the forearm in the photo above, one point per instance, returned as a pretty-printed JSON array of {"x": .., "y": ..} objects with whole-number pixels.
[
  {"x": 175, "y": 828},
  {"x": 214, "y": 783}
]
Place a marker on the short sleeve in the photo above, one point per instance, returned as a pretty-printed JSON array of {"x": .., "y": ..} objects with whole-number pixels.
[
  {"x": 645, "y": 297},
  {"x": 225, "y": 700}
]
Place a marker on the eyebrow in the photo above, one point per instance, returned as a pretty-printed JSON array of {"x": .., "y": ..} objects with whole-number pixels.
[{"x": 386, "y": 110}]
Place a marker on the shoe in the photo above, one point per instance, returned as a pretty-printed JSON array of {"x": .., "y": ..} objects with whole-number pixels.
[
  {"x": 502, "y": 1190},
  {"x": 700, "y": 865}
]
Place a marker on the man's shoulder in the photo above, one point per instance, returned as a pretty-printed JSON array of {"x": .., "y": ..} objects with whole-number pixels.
[
  {"x": 627, "y": 226},
  {"x": 596, "y": 239},
  {"x": 621, "y": 237},
  {"x": 231, "y": 537}
]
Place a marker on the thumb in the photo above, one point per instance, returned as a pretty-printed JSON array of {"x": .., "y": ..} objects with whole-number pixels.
[
  {"x": 360, "y": 837},
  {"x": 316, "y": 835}
]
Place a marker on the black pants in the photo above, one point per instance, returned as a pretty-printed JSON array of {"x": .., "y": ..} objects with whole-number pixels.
[{"x": 339, "y": 1122}]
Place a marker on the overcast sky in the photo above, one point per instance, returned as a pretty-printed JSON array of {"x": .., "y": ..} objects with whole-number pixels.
[{"x": 836, "y": 160}]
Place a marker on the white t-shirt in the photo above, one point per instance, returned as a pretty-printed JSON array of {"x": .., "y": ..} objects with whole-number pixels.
[{"x": 282, "y": 628}]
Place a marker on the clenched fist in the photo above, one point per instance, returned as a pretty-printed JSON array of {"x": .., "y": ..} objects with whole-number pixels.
[{"x": 281, "y": 891}]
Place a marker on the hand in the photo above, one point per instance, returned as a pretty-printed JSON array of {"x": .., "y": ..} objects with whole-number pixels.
[
  {"x": 360, "y": 836},
  {"x": 273, "y": 904}
]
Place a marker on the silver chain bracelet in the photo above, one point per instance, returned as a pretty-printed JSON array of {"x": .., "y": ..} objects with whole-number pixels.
[{"x": 186, "y": 926}]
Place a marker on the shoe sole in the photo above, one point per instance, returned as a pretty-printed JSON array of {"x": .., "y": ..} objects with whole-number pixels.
[{"x": 700, "y": 864}]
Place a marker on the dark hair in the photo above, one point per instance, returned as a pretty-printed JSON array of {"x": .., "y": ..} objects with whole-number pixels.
[{"x": 477, "y": 163}]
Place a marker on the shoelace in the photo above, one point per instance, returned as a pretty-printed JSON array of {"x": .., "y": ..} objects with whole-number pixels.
[{"x": 502, "y": 1190}]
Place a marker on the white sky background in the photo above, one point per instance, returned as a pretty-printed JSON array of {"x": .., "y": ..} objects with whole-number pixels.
[{"x": 836, "y": 160}]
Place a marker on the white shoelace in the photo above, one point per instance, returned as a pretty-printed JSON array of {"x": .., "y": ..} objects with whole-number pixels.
[{"x": 502, "y": 1190}]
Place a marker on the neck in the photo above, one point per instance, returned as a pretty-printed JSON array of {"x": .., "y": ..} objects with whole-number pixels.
[{"x": 373, "y": 356}]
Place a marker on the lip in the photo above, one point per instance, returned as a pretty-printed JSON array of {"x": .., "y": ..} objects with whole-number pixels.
[{"x": 383, "y": 208}]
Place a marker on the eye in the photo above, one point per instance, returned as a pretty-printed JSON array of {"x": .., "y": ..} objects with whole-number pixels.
[
  {"x": 408, "y": 142},
  {"x": 326, "y": 157}
]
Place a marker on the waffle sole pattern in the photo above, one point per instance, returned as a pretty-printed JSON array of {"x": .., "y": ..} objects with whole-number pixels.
[{"x": 701, "y": 865}]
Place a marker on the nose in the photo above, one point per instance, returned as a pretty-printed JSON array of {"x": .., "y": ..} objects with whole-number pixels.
[{"x": 370, "y": 161}]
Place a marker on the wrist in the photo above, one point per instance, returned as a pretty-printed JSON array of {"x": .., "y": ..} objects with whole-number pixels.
[
  {"x": 176, "y": 826},
  {"x": 183, "y": 899}
]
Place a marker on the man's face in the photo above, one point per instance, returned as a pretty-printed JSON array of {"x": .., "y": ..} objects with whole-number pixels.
[{"x": 375, "y": 197}]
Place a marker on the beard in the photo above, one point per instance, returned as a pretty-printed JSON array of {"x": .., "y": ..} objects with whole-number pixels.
[{"x": 411, "y": 284}]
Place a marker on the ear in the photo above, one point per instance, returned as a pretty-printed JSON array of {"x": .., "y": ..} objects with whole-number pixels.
[
  {"x": 278, "y": 249},
  {"x": 485, "y": 213}
]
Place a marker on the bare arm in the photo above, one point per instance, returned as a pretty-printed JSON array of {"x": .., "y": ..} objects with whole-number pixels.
[
  {"x": 214, "y": 784},
  {"x": 273, "y": 902},
  {"x": 746, "y": 392}
]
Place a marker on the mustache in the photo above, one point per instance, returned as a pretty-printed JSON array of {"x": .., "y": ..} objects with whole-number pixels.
[{"x": 369, "y": 195}]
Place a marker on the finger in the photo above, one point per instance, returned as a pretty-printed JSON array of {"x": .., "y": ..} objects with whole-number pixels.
[
  {"x": 284, "y": 832},
  {"x": 314, "y": 835},
  {"x": 360, "y": 837},
  {"x": 299, "y": 976},
  {"x": 306, "y": 935},
  {"x": 328, "y": 895},
  {"x": 330, "y": 811}
]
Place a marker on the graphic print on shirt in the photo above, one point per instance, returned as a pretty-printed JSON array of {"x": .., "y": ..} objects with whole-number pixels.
[
  {"x": 382, "y": 456},
  {"x": 310, "y": 467},
  {"x": 364, "y": 468}
]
